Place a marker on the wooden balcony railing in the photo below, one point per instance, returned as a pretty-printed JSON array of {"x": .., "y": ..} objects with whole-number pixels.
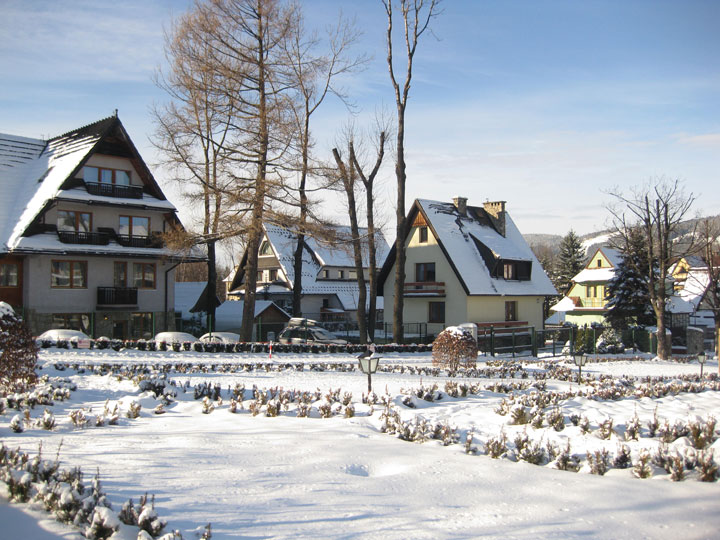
[
  {"x": 424, "y": 288},
  {"x": 81, "y": 237},
  {"x": 112, "y": 190},
  {"x": 117, "y": 296}
]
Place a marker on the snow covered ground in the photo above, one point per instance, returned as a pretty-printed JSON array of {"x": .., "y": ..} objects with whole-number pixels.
[{"x": 311, "y": 477}]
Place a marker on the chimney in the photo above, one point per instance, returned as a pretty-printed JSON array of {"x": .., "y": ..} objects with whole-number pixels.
[
  {"x": 496, "y": 211},
  {"x": 461, "y": 205}
]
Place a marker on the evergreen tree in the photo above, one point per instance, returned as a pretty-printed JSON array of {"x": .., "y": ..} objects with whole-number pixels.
[
  {"x": 570, "y": 261},
  {"x": 627, "y": 292}
]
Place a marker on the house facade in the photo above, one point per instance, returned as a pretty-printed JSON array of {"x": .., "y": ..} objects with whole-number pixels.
[
  {"x": 585, "y": 302},
  {"x": 329, "y": 280},
  {"x": 467, "y": 264},
  {"x": 81, "y": 234}
]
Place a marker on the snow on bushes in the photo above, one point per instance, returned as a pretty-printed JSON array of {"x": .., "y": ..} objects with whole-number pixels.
[{"x": 455, "y": 347}]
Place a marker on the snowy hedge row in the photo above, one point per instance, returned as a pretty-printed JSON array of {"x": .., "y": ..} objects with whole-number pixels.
[{"x": 242, "y": 347}]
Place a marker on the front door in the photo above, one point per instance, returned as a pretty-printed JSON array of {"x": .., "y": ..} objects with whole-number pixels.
[{"x": 11, "y": 282}]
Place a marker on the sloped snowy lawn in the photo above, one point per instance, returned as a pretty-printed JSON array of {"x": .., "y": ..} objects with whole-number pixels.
[{"x": 295, "y": 477}]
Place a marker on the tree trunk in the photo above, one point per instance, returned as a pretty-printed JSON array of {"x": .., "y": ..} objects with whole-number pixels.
[
  {"x": 372, "y": 264},
  {"x": 211, "y": 294},
  {"x": 398, "y": 299}
]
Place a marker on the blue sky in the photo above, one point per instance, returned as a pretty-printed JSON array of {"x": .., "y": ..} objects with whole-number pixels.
[{"x": 546, "y": 105}]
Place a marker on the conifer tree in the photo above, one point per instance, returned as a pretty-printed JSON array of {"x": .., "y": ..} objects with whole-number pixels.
[
  {"x": 627, "y": 292},
  {"x": 571, "y": 260}
]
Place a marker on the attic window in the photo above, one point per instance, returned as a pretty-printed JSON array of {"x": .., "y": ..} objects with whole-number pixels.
[
  {"x": 423, "y": 235},
  {"x": 513, "y": 270},
  {"x": 599, "y": 263},
  {"x": 265, "y": 248}
]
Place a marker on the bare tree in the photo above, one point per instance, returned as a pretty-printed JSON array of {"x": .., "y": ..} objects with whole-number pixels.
[
  {"x": 314, "y": 75},
  {"x": 708, "y": 248},
  {"x": 657, "y": 209},
  {"x": 192, "y": 132},
  {"x": 415, "y": 16}
]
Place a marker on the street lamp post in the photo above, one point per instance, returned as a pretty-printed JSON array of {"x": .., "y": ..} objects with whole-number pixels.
[
  {"x": 579, "y": 359},
  {"x": 701, "y": 358},
  {"x": 369, "y": 365}
]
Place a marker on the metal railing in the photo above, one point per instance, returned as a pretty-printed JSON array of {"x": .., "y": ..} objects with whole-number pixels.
[
  {"x": 81, "y": 237},
  {"x": 117, "y": 296},
  {"x": 150, "y": 241},
  {"x": 113, "y": 190}
]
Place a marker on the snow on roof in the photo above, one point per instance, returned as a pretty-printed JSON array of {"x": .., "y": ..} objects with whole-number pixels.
[
  {"x": 566, "y": 304},
  {"x": 456, "y": 232},
  {"x": 147, "y": 202},
  {"x": 694, "y": 287},
  {"x": 675, "y": 304},
  {"x": 227, "y": 315},
  {"x": 588, "y": 275},
  {"x": 320, "y": 255}
]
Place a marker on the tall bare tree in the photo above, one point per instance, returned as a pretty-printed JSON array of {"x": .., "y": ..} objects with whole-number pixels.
[
  {"x": 353, "y": 177},
  {"x": 657, "y": 209},
  {"x": 415, "y": 16},
  {"x": 191, "y": 133},
  {"x": 314, "y": 73},
  {"x": 708, "y": 234}
]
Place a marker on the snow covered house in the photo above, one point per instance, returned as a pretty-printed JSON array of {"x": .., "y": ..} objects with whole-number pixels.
[
  {"x": 467, "y": 264},
  {"x": 329, "y": 286},
  {"x": 585, "y": 302},
  {"x": 81, "y": 218},
  {"x": 692, "y": 281},
  {"x": 228, "y": 315}
]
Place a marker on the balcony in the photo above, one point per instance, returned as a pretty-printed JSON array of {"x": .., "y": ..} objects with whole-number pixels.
[
  {"x": 151, "y": 241},
  {"x": 113, "y": 190},
  {"x": 117, "y": 296},
  {"x": 424, "y": 288},
  {"x": 81, "y": 237}
]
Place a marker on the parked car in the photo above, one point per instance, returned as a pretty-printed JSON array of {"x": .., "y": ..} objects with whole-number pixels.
[
  {"x": 64, "y": 334},
  {"x": 220, "y": 337},
  {"x": 174, "y": 337},
  {"x": 307, "y": 331}
]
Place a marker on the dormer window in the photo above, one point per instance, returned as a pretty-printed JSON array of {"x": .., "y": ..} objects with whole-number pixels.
[
  {"x": 510, "y": 270},
  {"x": 341, "y": 274},
  {"x": 513, "y": 270},
  {"x": 70, "y": 220},
  {"x": 599, "y": 263},
  {"x": 326, "y": 274}
]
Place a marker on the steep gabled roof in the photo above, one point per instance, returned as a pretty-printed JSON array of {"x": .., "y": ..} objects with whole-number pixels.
[
  {"x": 469, "y": 241},
  {"x": 316, "y": 256},
  {"x": 591, "y": 274},
  {"x": 34, "y": 172}
]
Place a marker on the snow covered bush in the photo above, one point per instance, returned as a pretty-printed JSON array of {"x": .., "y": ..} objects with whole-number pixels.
[
  {"x": 18, "y": 352},
  {"x": 610, "y": 342},
  {"x": 455, "y": 347},
  {"x": 642, "y": 468}
]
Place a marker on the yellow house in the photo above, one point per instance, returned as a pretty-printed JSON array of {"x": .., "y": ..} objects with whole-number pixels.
[
  {"x": 466, "y": 264},
  {"x": 588, "y": 289}
]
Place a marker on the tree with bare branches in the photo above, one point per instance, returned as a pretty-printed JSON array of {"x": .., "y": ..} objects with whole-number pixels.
[
  {"x": 657, "y": 209},
  {"x": 708, "y": 249},
  {"x": 415, "y": 16},
  {"x": 352, "y": 176},
  {"x": 314, "y": 73}
]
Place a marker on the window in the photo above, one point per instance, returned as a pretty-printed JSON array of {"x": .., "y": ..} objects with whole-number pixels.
[
  {"x": 265, "y": 248},
  {"x": 120, "y": 274},
  {"x": 141, "y": 325},
  {"x": 341, "y": 274},
  {"x": 72, "y": 321},
  {"x": 134, "y": 226},
  {"x": 326, "y": 274},
  {"x": 425, "y": 272},
  {"x": 273, "y": 275},
  {"x": 8, "y": 275},
  {"x": 68, "y": 274},
  {"x": 352, "y": 274},
  {"x": 591, "y": 291},
  {"x": 71, "y": 220},
  {"x": 423, "y": 235},
  {"x": 599, "y": 263},
  {"x": 106, "y": 176},
  {"x": 436, "y": 312},
  {"x": 325, "y": 303},
  {"x": 511, "y": 311},
  {"x": 144, "y": 275},
  {"x": 259, "y": 276},
  {"x": 509, "y": 270}
]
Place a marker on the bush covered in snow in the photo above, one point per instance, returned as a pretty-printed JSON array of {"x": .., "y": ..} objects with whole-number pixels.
[
  {"x": 18, "y": 352},
  {"x": 455, "y": 347}
]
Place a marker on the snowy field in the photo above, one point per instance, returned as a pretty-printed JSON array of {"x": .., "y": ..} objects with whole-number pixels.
[{"x": 297, "y": 476}]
